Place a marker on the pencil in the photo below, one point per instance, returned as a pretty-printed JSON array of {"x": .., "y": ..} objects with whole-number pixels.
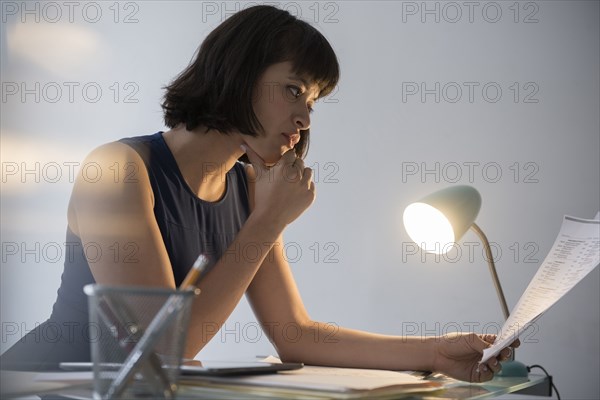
[{"x": 194, "y": 274}]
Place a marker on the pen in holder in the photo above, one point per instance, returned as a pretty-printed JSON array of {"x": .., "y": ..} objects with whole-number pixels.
[{"x": 137, "y": 337}]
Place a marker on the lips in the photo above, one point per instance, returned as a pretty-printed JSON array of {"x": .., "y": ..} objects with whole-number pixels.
[{"x": 291, "y": 138}]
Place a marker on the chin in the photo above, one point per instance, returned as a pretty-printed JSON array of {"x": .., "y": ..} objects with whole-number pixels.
[{"x": 273, "y": 158}]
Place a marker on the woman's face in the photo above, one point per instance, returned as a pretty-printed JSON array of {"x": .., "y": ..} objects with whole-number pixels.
[{"x": 282, "y": 102}]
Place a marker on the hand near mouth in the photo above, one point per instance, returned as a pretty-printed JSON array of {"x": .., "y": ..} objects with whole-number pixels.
[{"x": 282, "y": 191}]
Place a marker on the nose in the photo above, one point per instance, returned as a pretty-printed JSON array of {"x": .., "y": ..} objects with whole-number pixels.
[{"x": 302, "y": 118}]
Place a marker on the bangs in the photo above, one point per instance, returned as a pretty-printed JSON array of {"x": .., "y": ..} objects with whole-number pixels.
[{"x": 311, "y": 56}]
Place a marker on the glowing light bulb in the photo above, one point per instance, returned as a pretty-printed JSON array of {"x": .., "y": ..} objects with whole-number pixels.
[{"x": 428, "y": 228}]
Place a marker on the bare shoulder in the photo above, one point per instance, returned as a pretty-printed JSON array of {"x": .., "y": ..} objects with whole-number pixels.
[
  {"x": 112, "y": 169},
  {"x": 112, "y": 177},
  {"x": 113, "y": 152}
]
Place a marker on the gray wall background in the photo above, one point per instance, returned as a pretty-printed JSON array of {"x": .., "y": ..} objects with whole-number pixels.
[{"x": 503, "y": 96}]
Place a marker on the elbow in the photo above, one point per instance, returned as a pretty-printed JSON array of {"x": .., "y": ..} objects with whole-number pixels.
[
  {"x": 291, "y": 354},
  {"x": 292, "y": 342}
]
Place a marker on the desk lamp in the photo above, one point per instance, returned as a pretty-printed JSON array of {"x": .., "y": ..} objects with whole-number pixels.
[{"x": 438, "y": 221}]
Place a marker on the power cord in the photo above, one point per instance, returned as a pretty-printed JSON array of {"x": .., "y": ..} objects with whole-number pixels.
[{"x": 529, "y": 368}]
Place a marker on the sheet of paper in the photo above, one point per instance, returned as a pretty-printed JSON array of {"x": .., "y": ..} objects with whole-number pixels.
[
  {"x": 271, "y": 359},
  {"x": 341, "y": 379},
  {"x": 575, "y": 253}
]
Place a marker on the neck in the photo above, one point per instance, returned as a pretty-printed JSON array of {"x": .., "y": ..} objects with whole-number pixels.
[{"x": 204, "y": 158}]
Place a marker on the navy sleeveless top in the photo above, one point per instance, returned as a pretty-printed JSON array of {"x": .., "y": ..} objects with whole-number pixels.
[{"x": 189, "y": 226}]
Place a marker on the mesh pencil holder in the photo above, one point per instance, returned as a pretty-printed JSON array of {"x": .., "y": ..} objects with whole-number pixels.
[{"x": 139, "y": 329}]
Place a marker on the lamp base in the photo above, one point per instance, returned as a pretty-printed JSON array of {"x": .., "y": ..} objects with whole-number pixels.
[{"x": 512, "y": 369}]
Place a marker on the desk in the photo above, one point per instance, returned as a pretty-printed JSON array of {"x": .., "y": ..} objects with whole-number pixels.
[
  {"x": 535, "y": 385},
  {"x": 539, "y": 385}
]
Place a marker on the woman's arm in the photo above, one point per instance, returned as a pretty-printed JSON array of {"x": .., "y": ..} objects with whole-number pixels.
[
  {"x": 275, "y": 299},
  {"x": 106, "y": 212},
  {"x": 276, "y": 302}
]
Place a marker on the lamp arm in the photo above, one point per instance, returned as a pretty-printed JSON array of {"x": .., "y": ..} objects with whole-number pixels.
[
  {"x": 492, "y": 266},
  {"x": 519, "y": 368}
]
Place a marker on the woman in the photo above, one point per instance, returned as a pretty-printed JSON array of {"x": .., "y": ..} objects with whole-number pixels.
[{"x": 162, "y": 199}]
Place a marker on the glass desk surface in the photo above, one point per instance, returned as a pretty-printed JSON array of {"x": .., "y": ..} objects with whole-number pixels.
[{"x": 533, "y": 385}]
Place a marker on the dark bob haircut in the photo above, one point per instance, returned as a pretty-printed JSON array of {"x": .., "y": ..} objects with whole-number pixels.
[{"x": 216, "y": 89}]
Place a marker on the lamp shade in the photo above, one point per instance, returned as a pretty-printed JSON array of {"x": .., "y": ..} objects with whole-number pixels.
[{"x": 440, "y": 219}]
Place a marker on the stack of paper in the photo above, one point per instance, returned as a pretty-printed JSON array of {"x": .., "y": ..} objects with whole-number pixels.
[{"x": 313, "y": 381}]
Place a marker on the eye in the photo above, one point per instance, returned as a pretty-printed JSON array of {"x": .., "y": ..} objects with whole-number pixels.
[{"x": 295, "y": 91}]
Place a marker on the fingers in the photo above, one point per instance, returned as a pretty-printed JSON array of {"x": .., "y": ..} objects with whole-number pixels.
[
  {"x": 505, "y": 354},
  {"x": 288, "y": 158},
  {"x": 489, "y": 338},
  {"x": 481, "y": 342},
  {"x": 494, "y": 365},
  {"x": 307, "y": 175},
  {"x": 483, "y": 373},
  {"x": 294, "y": 169},
  {"x": 299, "y": 163}
]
